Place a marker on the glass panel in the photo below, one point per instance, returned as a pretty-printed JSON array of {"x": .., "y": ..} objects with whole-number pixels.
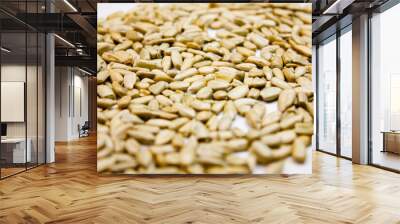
[
  {"x": 41, "y": 99},
  {"x": 13, "y": 86},
  {"x": 327, "y": 96},
  {"x": 346, "y": 94},
  {"x": 385, "y": 84},
  {"x": 31, "y": 100},
  {"x": 31, "y": 88},
  {"x": 22, "y": 89}
]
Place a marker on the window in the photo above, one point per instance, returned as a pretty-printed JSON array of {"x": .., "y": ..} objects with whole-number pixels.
[
  {"x": 346, "y": 92},
  {"x": 22, "y": 76},
  {"x": 327, "y": 96},
  {"x": 385, "y": 89}
]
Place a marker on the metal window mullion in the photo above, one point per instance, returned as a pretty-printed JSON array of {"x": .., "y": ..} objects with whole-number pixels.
[
  {"x": 45, "y": 95},
  {"x": 25, "y": 89},
  {"x": 73, "y": 92},
  {"x": 37, "y": 91},
  {"x": 369, "y": 79},
  {"x": 69, "y": 92},
  {"x": 338, "y": 98},
  {"x": 317, "y": 96}
]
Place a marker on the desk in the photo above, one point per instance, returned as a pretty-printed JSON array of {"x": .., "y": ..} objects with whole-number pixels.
[
  {"x": 391, "y": 141},
  {"x": 16, "y": 147}
]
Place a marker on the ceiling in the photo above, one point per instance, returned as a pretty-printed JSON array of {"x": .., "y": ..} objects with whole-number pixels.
[
  {"x": 75, "y": 21},
  {"x": 72, "y": 20},
  {"x": 332, "y": 15}
]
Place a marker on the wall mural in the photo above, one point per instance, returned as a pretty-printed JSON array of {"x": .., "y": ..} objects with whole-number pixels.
[{"x": 204, "y": 88}]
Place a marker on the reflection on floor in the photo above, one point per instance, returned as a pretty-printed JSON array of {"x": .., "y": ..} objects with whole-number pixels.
[
  {"x": 387, "y": 159},
  {"x": 10, "y": 171},
  {"x": 13, "y": 169},
  {"x": 70, "y": 191}
]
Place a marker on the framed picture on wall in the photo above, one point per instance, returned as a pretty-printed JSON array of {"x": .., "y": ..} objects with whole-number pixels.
[{"x": 12, "y": 101}]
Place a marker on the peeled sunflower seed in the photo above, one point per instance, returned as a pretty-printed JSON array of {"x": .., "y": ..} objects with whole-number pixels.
[
  {"x": 162, "y": 123},
  {"x": 124, "y": 102},
  {"x": 204, "y": 116},
  {"x": 270, "y": 93},
  {"x": 286, "y": 99},
  {"x": 263, "y": 153},
  {"x": 129, "y": 80},
  {"x": 158, "y": 87},
  {"x": 220, "y": 95},
  {"x": 259, "y": 40},
  {"x": 176, "y": 59},
  {"x": 204, "y": 93},
  {"x": 304, "y": 128},
  {"x": 102, "y": 76},
  {"x": 206, "y": 70},
  {"x": 200, "y": 105},
  {"x": 299, "y": 149},
  {"x": 271, "y": 118},
  {"x": 105, "y": 91},
  {"x": 185, "y": 111},
  {"x": 185, "y": 74},
  {"x": 280, "y": 83},
  {"x": 164, "y": 136},
  {"x": 218, "y": 84},
  {"x": 179, "y": 85},
  {"x": 238, "y": 92}
]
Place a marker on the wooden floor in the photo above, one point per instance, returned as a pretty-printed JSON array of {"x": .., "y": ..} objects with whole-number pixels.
[
  {"x": 10, "y": 171},
  {"x": 70, "y": 191},
  {"x": 387, "y": 159}
]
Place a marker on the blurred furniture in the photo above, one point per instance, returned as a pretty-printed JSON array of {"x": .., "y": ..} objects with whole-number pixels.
[
  {"x": 84, "y": 129},
  {"x": 391, "y": 141},
  {"x": 13, "y": 150}
]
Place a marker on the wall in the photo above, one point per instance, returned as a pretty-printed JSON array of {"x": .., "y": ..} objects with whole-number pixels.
[
  {"x": 92, "y": 91},
  {"x": 61, "y": 103},
  {"x": 71, "y": 102}
]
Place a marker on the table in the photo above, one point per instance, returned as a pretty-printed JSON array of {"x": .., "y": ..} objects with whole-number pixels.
[
  {"x": 16, "y": 147},
  {"x": 391, "y": 141}
]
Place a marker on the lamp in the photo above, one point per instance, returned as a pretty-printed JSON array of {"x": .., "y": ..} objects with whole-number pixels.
[
  {"x": 5, "y": 49},
  {"x": 70, "y": 5}
]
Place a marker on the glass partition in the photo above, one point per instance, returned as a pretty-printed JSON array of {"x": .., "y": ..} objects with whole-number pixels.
[
  {"x": 32, "y": 96},
  {"x": 346, "y": 93},
  {"x": 327, "y": 95},
  {"x": 385, "y": 89},
  {"x": 22, "y": 89},
  {"x": 13, "y": 94},
  {"x": 41, "y": 97}
]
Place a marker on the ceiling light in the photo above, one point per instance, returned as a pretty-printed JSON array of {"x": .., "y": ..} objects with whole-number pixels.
[
  {"x": 333, "y": 6},
  {"x": 5, "y": 49},
  {"x": 64, "y": 40},
  {"x": 84, "y": 71},
  {"x": 337, "y": 7},
  {"x": 79, "y": 51},
  {"x": 70, "y": 5}
]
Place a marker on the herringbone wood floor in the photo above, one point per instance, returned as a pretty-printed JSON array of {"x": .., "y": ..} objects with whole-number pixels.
[{"x": 70, "y": 191}]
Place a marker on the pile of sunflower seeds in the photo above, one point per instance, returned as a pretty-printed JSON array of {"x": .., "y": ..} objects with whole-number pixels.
[{"x": 173, "y": 81}]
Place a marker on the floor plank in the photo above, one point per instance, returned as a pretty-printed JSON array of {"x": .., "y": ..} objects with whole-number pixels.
[{"x": 70, "y": 191}]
